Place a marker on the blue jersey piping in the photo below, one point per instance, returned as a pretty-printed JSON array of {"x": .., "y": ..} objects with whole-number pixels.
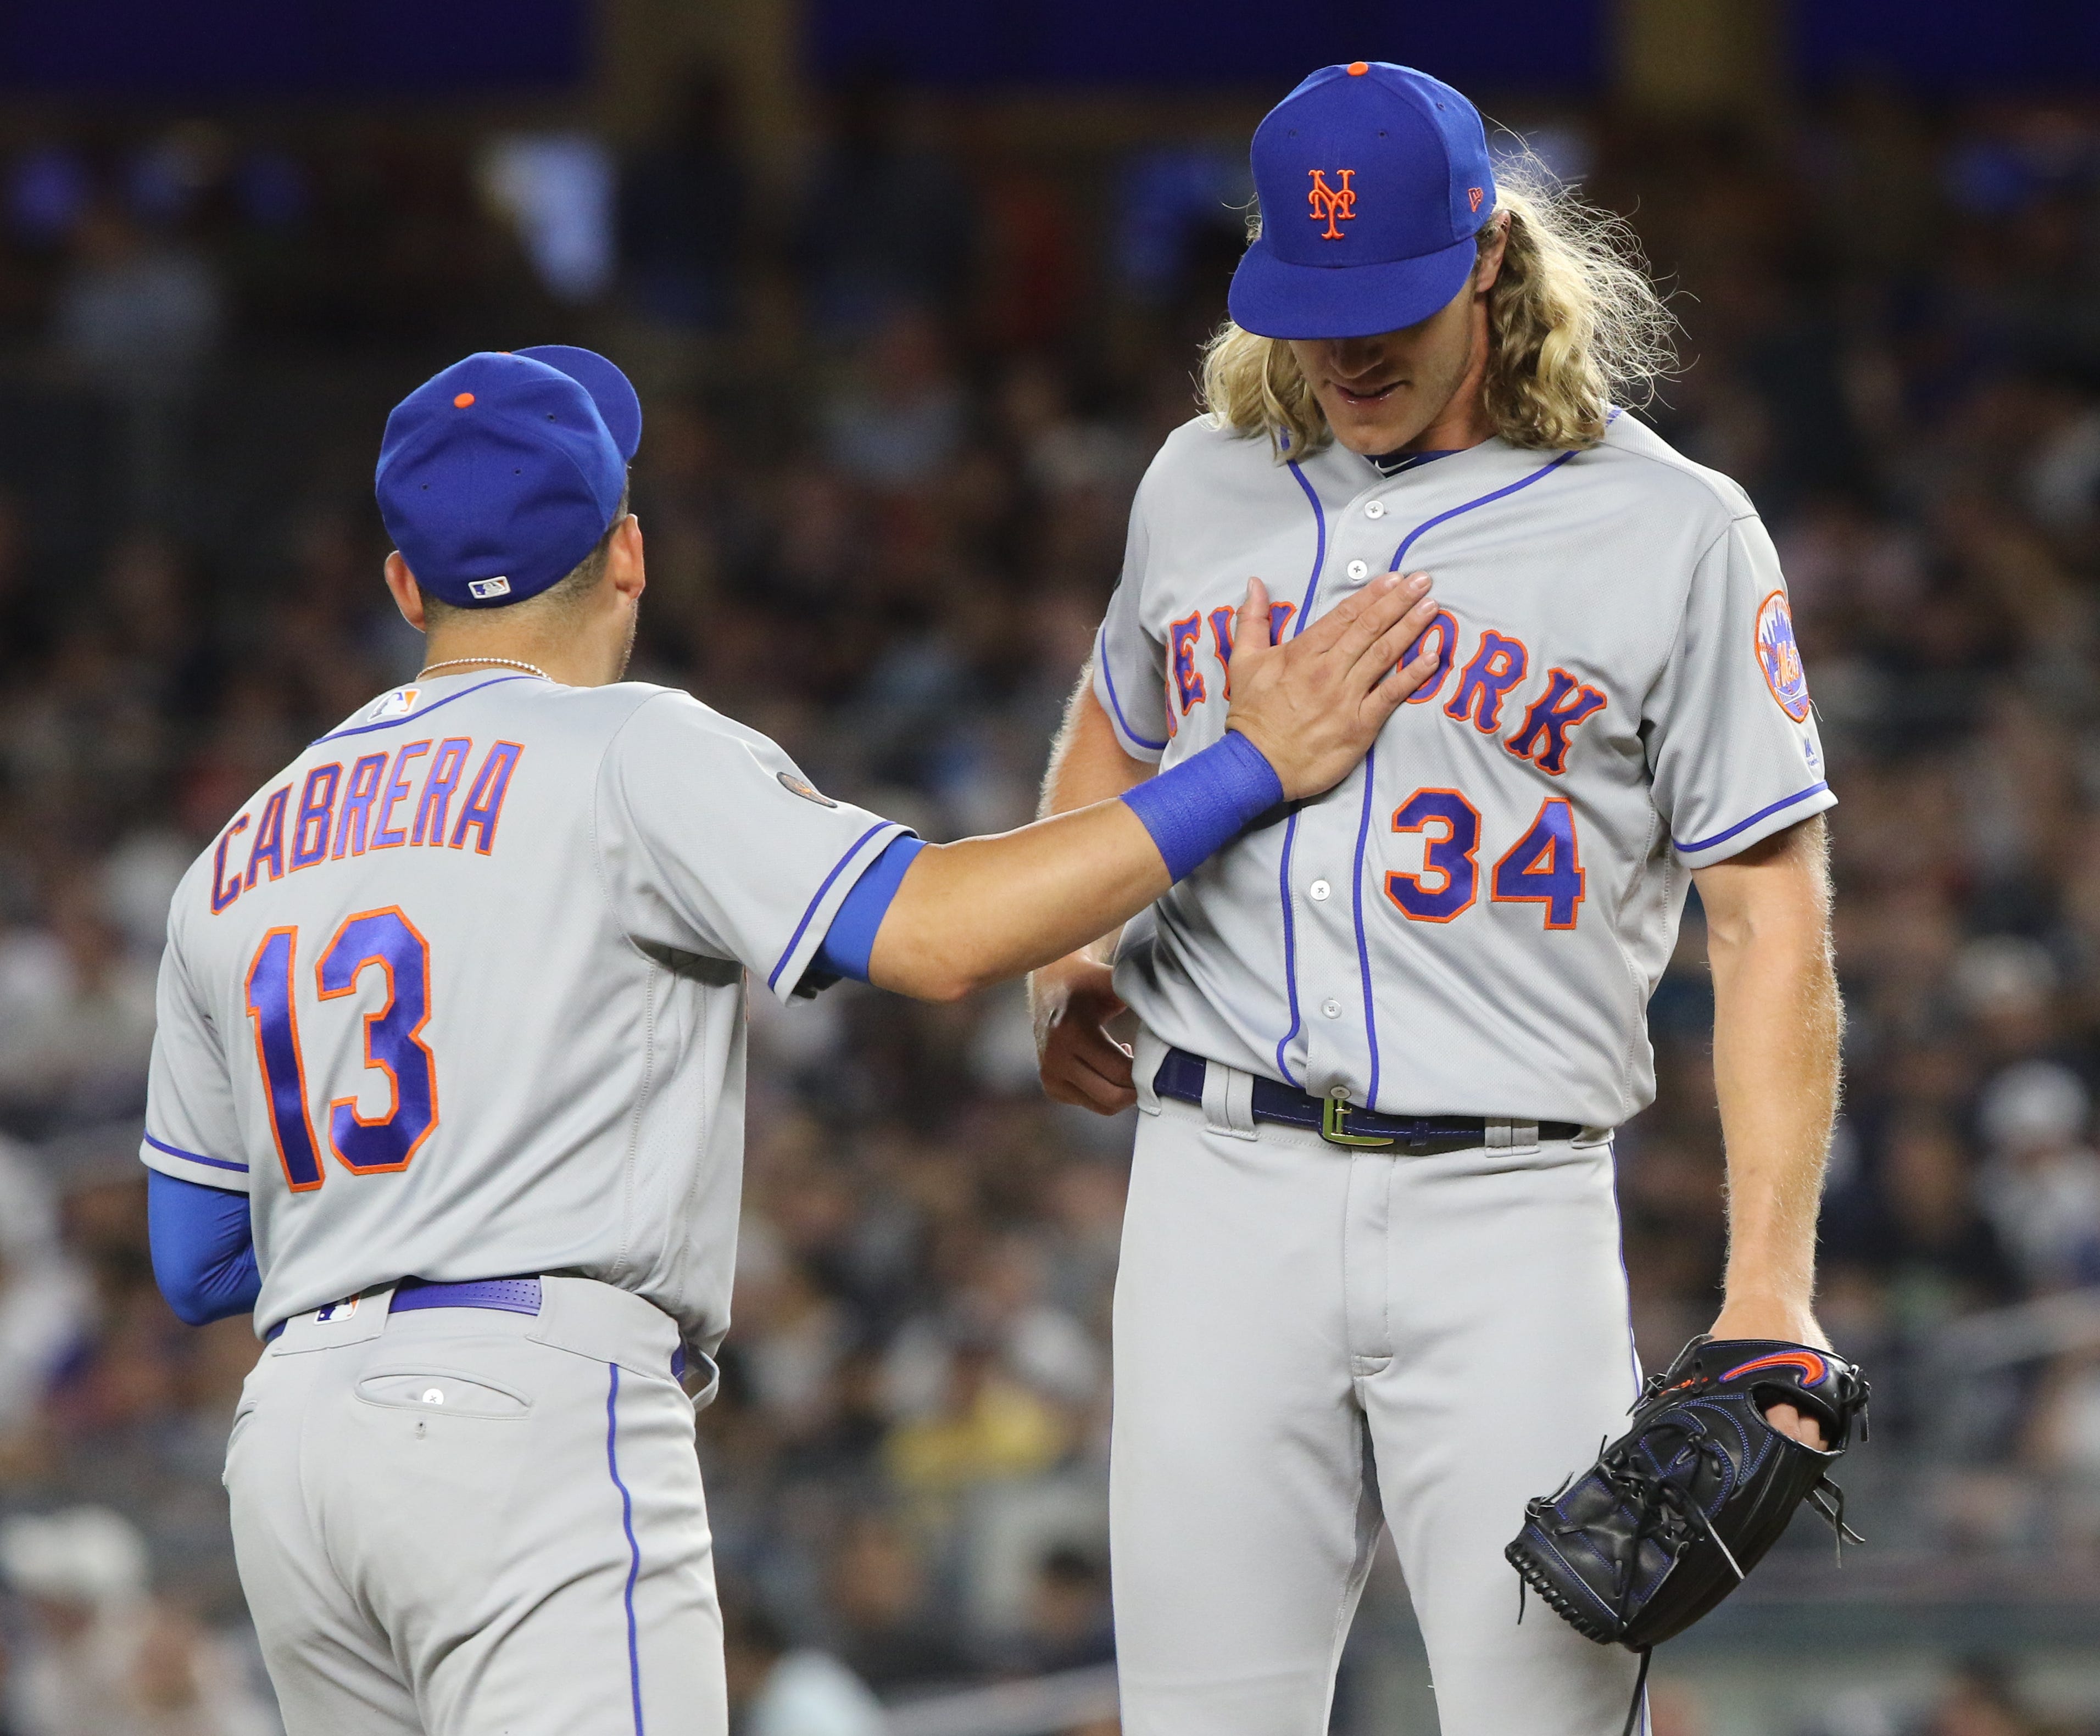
[
  {"x": 838, "y": 868},
  {"x": 1363, "y": 945},
  {"x": 1407, "y": 542},
  {"x": 176, "y": 1151},
  {"x": 1115, "y": 704},
  {"x": 417, "y": 716},
  {"x": 1785, "y": 801},
  {"x": 1290, "y": 829},
  {"x": 1371, "y": 764},
  {"x": 633, "y": 1548},
  {"x": 1290, "y": 949}
]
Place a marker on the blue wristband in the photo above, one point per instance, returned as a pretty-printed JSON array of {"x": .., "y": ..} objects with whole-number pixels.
[{"x": 1198, "y": 806}]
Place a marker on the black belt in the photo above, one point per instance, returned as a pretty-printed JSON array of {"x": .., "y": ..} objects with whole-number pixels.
[{"x": 1180, "y": 1076}]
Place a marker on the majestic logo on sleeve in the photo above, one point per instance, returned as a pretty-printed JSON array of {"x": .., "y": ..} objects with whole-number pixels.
[
  {"x": 1332, "y": 205},
  {"x": 1780, "y": 656}
]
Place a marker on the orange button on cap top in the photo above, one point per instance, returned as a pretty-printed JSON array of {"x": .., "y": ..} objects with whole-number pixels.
[
  {"x": 1357, "y": 68},
  {"x": 463, "y": 400}
]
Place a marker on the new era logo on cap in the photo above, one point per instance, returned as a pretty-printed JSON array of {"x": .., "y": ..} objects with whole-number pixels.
[{"x": 485, "y": 588}]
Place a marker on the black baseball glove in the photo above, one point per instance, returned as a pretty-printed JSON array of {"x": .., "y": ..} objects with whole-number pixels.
[{"x": 1676, "y": 1511}]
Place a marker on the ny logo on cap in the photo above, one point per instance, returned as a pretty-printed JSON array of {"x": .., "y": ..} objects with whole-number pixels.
[{"x": 1335, "y": 205}]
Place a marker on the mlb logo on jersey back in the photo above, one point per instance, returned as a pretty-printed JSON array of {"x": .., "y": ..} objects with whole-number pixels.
[
  {"x": 1780, "y": 656},
  {"x": 399, "y": 703}
]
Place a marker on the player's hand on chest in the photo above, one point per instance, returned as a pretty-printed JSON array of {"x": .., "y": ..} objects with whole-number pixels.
[
  {"x": 1506, "y": 684},
  {"x": 1482, "y": 785}
]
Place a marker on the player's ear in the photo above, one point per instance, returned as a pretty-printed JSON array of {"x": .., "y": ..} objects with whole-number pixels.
[
  {"x": 407, "y": 595},
  {"x": 1488, "y": 266},
  {"x": 624, "y": 566}
]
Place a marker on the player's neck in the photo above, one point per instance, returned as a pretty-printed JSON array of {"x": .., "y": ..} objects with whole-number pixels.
[
  {"x": 1464, "y": 421},
  {"x": 576, "y": 661}
]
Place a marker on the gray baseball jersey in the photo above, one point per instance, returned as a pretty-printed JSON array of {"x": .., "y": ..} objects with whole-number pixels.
[
  {"x": 1473, "y": 922},
  {"x": 461, "y": 992}
]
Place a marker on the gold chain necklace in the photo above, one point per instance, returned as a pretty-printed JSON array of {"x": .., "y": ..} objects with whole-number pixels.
[{"x": 508, "y": 663}]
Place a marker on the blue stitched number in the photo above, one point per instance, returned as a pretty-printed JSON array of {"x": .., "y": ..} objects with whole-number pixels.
[
  {"x": 392, "y": 1040},
  {"x": 1449, "y": 879},
  {"x": 1542, "y": 866},
  {"x": 276, "y": 1027},
  {"x": 393, "y": 1045}
]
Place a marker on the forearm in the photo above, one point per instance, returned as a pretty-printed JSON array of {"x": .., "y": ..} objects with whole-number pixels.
[
  {"x": 986, "y": 909},
  {"x": 1777, "y": 1021},
  {"x": 203, "y": 1250},
  {"x": 1087, "y": 765}
]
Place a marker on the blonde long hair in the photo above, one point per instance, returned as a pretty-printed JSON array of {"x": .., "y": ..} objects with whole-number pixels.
[{"x": 1573, "y": 325}]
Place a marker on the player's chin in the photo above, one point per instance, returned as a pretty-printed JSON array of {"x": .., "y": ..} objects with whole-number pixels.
[{"x": 1372, "y": 426}]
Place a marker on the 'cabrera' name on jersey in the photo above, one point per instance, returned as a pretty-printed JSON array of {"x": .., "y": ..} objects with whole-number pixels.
[
  {"x": 1618, "y": 699},
  {"x": 347, "y": 806}
]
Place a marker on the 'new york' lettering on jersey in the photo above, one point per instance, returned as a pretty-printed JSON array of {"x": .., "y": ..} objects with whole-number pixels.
[
  {"x": 1473, "y": 921},
  {"x": 413, "y": 1073}
]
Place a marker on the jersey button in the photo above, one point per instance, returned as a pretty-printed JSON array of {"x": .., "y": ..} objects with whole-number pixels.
[
  {"x": 1319, "y": 889},
  {"x": 1375, "y": 509},
  {"x": 1332, "y": 1009},
  {"x": 1358, "y": 569}
]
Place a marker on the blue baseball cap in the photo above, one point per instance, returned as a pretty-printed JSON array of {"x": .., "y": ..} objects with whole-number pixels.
[
  {"x": 499, "y": 475},
  {"x": 1373, "y": 179}
]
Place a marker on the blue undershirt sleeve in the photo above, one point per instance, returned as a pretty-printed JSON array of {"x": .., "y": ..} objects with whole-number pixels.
[
  {"x": 849, "y": 941},
  {"x": 204, "y": 1248}
]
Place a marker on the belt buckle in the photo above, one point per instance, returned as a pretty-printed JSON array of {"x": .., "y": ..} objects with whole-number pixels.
[{"x": 1333, "y": 1126}]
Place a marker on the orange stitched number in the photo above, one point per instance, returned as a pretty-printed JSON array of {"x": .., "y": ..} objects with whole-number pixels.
[{"x": 1334, "y": 205}]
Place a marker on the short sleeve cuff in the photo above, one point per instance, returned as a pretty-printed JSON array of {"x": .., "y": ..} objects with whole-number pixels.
[
  {"x": 1112, "y": 697},
  {"x": 206, "y": 1171},
  {"x": 1733, "y": 839},
  {"x": 786, "y": 975}
]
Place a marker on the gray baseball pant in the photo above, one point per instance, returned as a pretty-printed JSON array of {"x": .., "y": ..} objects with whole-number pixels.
[
  {"x": 463, "y": 1522},
  {"x": 1312, "y": 1342}
]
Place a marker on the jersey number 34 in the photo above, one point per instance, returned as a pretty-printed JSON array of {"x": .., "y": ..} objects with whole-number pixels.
[
  {"x": 385, "y": 940},
  {"x": 1541, "y": 867}
]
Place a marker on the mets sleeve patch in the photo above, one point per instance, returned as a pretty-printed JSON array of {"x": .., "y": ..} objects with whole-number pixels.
[{"x": 1779, "y": 654}]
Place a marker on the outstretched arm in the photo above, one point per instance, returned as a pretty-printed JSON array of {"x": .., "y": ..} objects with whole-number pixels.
[
  {"x": 974, "y": 913},
  {"x": 1777, "y": 1023},
  {"x": 1073, "y": 999}
]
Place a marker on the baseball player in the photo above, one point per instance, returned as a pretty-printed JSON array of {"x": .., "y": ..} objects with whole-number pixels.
[
  {"x": 448, "y": 1085},
  {"x": 1371, "y": 1268}
]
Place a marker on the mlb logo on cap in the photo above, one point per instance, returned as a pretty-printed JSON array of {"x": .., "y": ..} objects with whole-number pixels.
[{"x": 1374, "y": 181}]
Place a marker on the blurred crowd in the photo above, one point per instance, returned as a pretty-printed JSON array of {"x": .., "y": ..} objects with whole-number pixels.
[{"x": 898, "y": 395}]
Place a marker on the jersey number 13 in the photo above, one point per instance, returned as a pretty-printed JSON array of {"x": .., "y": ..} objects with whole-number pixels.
[{"x": 394, "y": 1045}]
